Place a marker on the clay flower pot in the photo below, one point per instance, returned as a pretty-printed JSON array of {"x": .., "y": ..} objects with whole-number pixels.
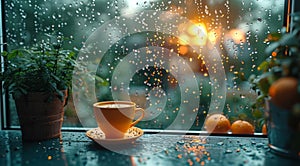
[{"x": 40, "y": 119}]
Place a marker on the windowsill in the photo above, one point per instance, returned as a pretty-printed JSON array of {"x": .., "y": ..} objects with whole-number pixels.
[{"x": 77, "y": 149}]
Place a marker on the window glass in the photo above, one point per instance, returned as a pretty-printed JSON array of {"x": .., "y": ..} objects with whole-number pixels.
[{"x": 180, "y": 60}]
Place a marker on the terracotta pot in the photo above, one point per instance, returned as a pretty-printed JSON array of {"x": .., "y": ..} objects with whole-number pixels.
[
  {"x": 283, "y": 139},
  {"x": 40, "y": 119}
]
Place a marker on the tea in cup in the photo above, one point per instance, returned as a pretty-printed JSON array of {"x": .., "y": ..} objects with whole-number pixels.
[{"x": 115, "y": 117}]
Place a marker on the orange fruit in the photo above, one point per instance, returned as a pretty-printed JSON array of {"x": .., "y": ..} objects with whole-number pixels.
[
  {"x": 242, "y": 127},
  {"x": 283, "y": 92},
  {"x": 217, "y": 123},
  {"x": 264, "y": 129}
]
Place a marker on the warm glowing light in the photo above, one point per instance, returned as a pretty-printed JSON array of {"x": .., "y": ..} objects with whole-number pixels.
[
  {"x": 199, "y": 41},
  {"x": 197, "y": 30},
  {"x": 212, "y": 36},
  {"x": 237, "y": 36},
  {"x": 183, "y": 50},
  {"x": 274, "y": 53},
  {"x": 193, "y": 34},
  {"x": 183, "y": 39}
]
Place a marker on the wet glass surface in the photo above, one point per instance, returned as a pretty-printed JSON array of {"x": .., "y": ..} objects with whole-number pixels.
[{"x": 159, "y": 63}]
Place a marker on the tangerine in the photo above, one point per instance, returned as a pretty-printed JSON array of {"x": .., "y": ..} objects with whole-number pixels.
[
  {"x": 284, "y": 93},
  {"x": 264, "y": 129},
  {"x": 217, "y": 123},
  {"x": 242, "y": 127}
]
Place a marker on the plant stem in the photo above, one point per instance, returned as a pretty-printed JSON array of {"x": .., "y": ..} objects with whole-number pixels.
[{"x": 56, "y": 59}]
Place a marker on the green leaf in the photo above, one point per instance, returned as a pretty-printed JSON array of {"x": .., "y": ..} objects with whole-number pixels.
[
  {"x": 257, "y": 113},
  {"x": 101, "y": 81},
  {"x": 264, "y": 66},
  {"x": 56, "y": 78},
  {"x": 261, "y": 121},
  {"x": 4, "y": 53},
  {"x": 260, "y": 100},
  {"x": 60, "y": 95},
  {"x": 274, "y": 37},
  {"x": 263, "y": 83}
]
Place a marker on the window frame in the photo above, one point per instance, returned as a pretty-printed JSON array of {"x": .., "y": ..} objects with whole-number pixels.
[{"x": 290, "y": 6}]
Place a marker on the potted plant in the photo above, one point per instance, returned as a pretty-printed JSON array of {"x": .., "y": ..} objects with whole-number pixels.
[
  {"x": 38, "y": 78},
  {"x": 279, "y": 87}
]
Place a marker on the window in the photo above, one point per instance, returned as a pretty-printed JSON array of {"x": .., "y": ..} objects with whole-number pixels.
[{"x": 180, "y": 60}]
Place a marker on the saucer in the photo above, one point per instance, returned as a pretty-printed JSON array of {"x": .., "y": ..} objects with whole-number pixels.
[{"x": 98, "y": 136}]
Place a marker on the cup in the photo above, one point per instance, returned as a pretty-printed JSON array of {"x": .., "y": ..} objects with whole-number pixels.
[{"x": 115, "y": 117}]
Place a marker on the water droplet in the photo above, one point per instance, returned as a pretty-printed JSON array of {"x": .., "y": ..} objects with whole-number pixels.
[
  {"x": 181, "y": 142},
  {"x": 259, "y": 19},
  {"x": 228, "y": 151},
  {"x": 259, "y": 145},
  {"x": 220, "y": 143}
]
